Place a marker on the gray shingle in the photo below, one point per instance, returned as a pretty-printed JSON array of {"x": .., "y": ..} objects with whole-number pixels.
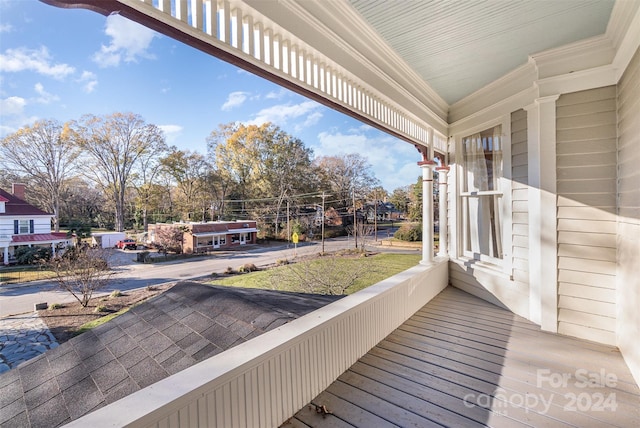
[
  {"x": 50, "y": 414},
  {"x": 109, "y": 375},
  {"x": 82, "y": 397},
  {"x": 129, "y": 353},
  {"x": 147, "y": 372}
]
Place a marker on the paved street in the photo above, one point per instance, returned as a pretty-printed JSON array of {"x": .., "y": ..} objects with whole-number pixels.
[{"x": 132, "y": 275}]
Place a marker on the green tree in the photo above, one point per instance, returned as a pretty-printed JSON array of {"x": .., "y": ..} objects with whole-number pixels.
[
  {"x": 400, "y": 199},
  {"x": 114, "y": 146},
  {"x": 44, "y": 154}
]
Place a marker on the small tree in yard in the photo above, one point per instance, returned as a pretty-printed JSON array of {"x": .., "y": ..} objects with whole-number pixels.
[
  {"x": 170, "y": 239},
  {"x": 331, "y": 275},
  {"x": 82, "y": 271}
]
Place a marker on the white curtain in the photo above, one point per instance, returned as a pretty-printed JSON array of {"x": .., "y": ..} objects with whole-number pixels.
[{"x": 483, "y": 170}]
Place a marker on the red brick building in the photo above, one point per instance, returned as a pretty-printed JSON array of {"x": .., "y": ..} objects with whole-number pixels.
[{"x": 202, "y": 237}]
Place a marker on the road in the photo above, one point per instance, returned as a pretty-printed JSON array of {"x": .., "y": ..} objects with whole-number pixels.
[{"x": 21, "y": 299}]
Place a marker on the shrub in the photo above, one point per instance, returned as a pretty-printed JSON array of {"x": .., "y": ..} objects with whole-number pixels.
[
  {"x": 229, "y": 270},
  {"x": 114, "y": 294},
  {"x": 410, "y": 232},
  {"x": 247, "y": 267},
  {"x": 101, "y": 308},
  {"x": 282, "y": 262},
  {"x": 32, "y": 255},
  {"x": 55, "y": 306}
]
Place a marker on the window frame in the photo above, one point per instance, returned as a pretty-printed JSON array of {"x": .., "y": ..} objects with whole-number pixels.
[{"x": 504, "y": 264}]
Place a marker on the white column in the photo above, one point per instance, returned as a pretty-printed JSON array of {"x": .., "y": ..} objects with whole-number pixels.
[
  {"x": 443, "y": 225},
  {"x": 427, "y": 211},
  {"x": 543, "y": 245},
  {"x": 6, "y": 255},
  {"x": 53, "y": 249}
]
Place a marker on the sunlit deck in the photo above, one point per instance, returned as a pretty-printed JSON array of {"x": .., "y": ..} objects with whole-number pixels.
[{"x": 460, "y": 361}]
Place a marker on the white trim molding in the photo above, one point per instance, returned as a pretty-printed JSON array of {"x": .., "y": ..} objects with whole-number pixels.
[{"x": 543, "y": 248}]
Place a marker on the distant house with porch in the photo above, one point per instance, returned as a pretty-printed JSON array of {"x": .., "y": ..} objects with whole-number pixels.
[
  {"x": 213, "y": 235},
  {"x": 22, "y": 224}
]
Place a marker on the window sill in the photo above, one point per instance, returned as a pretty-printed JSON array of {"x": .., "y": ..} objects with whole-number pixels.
[{"x": 486, "y": 267}]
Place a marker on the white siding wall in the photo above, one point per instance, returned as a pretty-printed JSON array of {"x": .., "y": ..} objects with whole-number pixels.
[
  {"x": 628, "y": 238},
  {"x": 586, "y": 187},
  {"x": 519, "y": 197}
]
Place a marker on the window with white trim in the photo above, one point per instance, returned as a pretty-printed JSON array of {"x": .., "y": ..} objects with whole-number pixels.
[{"x": 482, "y": 196}]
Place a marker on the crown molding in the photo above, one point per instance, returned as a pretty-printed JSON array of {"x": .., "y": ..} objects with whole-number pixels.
[
  {"x": 340, "y": 23},
  {"x": 624, "y": 30}
]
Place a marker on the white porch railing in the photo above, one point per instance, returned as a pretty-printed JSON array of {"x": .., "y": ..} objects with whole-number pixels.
[{"x": 263, "y": 382}]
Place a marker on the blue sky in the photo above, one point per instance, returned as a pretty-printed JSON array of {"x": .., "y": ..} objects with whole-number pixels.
[{"x": 63, "y": 63}]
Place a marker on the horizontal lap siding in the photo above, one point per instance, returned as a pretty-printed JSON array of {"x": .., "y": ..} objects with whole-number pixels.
[
  {"x": 586, "y": 185},
  {"x": 628, "y": 262},
  {"x": 519, "y": 196}
]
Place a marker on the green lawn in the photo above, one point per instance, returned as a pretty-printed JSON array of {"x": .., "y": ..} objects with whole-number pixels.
[
  {"x": 24, "y": 274},
  {"x": 370, "y": 270}
]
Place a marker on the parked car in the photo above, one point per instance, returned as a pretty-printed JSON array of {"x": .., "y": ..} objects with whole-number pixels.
[{"x": 127, "y": 244}]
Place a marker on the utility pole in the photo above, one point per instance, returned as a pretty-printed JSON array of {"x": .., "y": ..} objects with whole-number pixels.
[
  {"x": 322, "y": 230},
  {"x": 355, "y": 219},
  {"x": 288, "y": 224},
  {"x": 375, "y": 216}
]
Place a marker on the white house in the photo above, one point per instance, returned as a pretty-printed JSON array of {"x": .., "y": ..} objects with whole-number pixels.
[
  {"x": 22, "y": 224},
  {"x": 533, "y": 108}
]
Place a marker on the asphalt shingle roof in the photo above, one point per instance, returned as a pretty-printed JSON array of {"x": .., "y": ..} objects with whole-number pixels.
[{"x": 183, "y": 326}]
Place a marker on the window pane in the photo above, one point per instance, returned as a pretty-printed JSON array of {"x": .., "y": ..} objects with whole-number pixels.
[
  {"x": 482, "y": 173},
  {"x": 24, "y": 226},
  {"x": 483, "y": 226}
]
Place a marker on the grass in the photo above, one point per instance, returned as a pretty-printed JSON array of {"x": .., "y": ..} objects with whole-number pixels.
[
  {"x": 383, "y": 266},
  {"x": 96, "y": 323},
  {"x": 26, "y": 274}
]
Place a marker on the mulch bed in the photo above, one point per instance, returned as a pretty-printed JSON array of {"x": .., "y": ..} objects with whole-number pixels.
[{"x": 64, "y": 322}]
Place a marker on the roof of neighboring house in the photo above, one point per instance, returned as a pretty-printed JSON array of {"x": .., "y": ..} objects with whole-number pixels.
[
  {"x": 185, "y": 325},
  {"x": 39, "y": 237},
  {"x": 16, "y": 206}
]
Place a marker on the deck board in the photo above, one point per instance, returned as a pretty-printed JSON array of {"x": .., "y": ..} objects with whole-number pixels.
[{"x": 461, "y": 361}]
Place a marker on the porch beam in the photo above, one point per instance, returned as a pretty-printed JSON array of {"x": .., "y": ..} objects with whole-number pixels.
[{"x": 398, "y": 109}]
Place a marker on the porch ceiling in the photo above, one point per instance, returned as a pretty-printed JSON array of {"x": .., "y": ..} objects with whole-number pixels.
[{"x": 458, "y": 47}]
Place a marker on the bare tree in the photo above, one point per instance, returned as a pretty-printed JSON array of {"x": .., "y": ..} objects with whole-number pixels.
[
  {"x": 82, "y": 271},
  {"x": 363, "y": 231},
  {"x": 115, "y": 145},
  {"x": 45, "y": 154},
  {"x": 331, "y": 274}
]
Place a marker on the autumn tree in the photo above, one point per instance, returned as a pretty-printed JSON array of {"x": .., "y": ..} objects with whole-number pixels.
[
  {"x": 261, "y": 162},
  {"x": 170, "y": 238},
  {"x": 189, "y": 173},
  {"x": 45, "y": 154},
  {"x": 114, "y": 146}
]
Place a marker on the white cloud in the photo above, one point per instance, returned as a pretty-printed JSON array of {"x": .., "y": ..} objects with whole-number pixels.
[
  {"x": 6, "y": 28},
  {"x": 129, "y": 41},
  {"x": 234, "y": 99},
  {"x": 38, "y": 60},
  {"x": 45, "y": 97},
  {"x": 171, "y": 132},
  {"x": 394, "y": 162},
  {"x": 89, "y": 81},
  {"x": 280, "y": 114},
  {"x": 277, "y": 95},
  {"x": 12, "y": 106}
]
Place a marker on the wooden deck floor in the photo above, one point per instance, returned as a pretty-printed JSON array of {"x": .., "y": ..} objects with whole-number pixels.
[{"x": 461, "y": 361}]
